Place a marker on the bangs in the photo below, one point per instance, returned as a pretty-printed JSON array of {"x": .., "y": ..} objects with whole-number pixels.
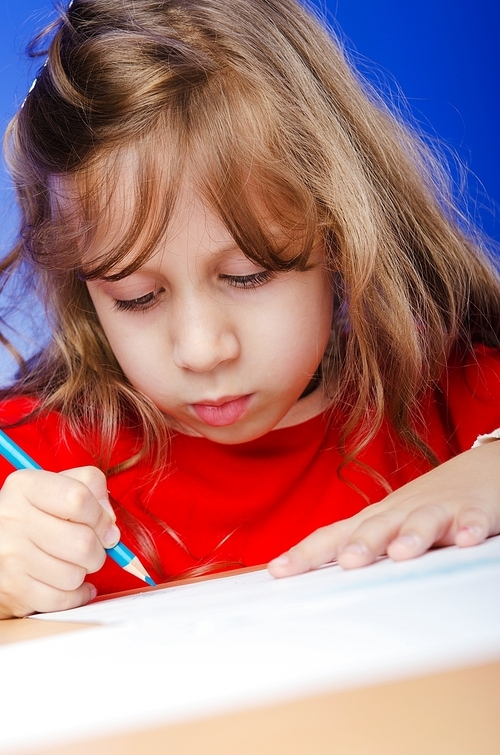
[{"x": 112, "y": 214}]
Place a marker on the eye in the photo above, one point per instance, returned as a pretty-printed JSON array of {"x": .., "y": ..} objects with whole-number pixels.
[
  {"x": 249, "y": 281},
  {"x": 142, "y": 303}
]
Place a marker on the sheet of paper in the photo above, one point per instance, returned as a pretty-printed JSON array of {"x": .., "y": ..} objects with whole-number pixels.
[{"x": 241, "y": 640}]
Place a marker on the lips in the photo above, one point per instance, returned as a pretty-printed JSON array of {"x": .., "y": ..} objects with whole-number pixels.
[{"x": 223, "y": 411}]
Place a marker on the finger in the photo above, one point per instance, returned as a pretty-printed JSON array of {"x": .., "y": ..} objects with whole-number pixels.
[
  {"x": 66, "y": 541},
  {"x": 371, "y": 538},
  {"x": 46, "y": 598},
  {"x": 42, "y": 567},
  {"x": 474, "y": 525},
  {"x": 21, "y": 597},
  {"x": 63, "y": 497},
  {"x": 62, "y": 575},
  {"x": 96, "y": 482},
  {"x": 321, "y": 547},
  {"x": 424, "y": 527}
]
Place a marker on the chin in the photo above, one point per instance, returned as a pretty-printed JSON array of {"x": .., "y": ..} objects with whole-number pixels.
[{"x": 233, "y": 434}]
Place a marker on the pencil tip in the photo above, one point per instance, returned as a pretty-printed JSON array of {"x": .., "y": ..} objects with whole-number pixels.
[{"x": 150, "y": 581}]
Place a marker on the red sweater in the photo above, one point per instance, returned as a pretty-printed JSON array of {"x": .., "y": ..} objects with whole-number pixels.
[{"x": 241, "y": 505}]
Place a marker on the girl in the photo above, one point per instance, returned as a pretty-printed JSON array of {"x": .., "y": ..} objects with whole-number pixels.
[{"x": 266, "y": 313}]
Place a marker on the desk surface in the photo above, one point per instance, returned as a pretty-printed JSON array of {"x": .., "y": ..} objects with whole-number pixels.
[{"x": 453, "y": 712}]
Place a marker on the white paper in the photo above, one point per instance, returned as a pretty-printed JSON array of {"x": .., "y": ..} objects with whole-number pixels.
[{"x": 217, "y": 645}]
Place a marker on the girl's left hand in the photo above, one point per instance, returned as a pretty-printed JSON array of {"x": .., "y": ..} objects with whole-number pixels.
[{"x": 457, "y": 503}]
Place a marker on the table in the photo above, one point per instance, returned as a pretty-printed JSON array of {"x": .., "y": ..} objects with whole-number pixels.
[{"x": 453, "y": 712}]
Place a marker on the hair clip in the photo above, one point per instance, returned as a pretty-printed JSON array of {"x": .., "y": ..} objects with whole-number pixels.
[
  {"x": 29, "y": 91},
  {"x": 33, "y": 85}
]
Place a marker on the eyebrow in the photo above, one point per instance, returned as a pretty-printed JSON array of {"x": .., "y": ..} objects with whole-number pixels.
[
  {"x": 223, "y": 250},
  {"x": 108, "y": 278}
]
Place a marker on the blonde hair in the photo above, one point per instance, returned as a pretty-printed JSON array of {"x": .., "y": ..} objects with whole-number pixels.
[{"x": 260, "y": 98}]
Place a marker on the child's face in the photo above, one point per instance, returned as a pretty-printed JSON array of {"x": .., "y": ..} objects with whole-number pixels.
[{"x": 217, "y": 343}]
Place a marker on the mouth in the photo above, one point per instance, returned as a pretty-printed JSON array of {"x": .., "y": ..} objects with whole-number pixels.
[{"x": 223, "y": 411}]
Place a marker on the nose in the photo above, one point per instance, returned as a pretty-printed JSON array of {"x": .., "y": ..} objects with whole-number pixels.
[{"x": 203, "y": 334}]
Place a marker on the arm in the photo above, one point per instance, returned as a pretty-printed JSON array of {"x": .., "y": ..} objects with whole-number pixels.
[
  {"x": 53, "y": 532},
  {"x": 456, "y": 503}
]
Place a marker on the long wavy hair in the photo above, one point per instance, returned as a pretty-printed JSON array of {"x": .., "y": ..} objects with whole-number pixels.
[{"x": 258, "y": 100}]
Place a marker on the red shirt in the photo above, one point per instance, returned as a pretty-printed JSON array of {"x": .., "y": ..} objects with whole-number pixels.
[{"x": 218, "y": 506}]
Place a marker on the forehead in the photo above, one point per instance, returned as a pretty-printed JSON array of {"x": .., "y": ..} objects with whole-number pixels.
[
  {"x": 117, "y": 207},
  {"x": 110, "y": 185},
  {"x": 112, "y": 207},
  {"x": 123, "y": 205}
]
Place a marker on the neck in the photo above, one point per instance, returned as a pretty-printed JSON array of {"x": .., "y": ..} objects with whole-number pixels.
[
  {"x": 312, "y": 384},
  {"x": 308, "y": 406}
]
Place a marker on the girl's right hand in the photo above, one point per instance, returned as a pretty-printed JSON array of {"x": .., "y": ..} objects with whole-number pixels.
[{"x": 54, "y": 528}]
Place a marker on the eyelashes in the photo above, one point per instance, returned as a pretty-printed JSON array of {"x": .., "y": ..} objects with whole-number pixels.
[
  {"x": 248, "y": 281},
  {"x": 143, "y": 303}
]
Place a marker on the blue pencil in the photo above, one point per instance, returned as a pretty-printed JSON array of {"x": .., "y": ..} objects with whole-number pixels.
[{"x": 119, "y": 553}]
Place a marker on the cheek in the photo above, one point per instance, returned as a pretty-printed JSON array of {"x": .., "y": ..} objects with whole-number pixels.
[
  {"x": 313, "y": 315},
  {"x": 298, "y": 331},
  {"x": 133, "y": 350}
]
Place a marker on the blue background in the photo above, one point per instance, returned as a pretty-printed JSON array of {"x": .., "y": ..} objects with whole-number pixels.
[{"x": 443, "y": 54}]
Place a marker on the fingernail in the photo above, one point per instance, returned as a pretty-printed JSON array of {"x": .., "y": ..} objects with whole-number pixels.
[
  {"x": 93, "y": 592},
  {"x": 409, "y": 539},
  {"x": 473, "y": 530},
  {"x": 282, "y": 560},
  {"x": 108, "y": 507},
  {"x": 111, "y": 536},
  {"x": 357, "y": 549}
]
